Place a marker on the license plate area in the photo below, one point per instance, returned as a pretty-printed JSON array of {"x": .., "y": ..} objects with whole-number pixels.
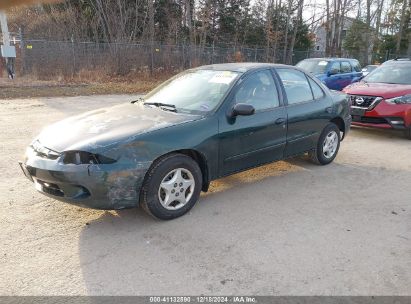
[{"x": 358, "y": 112}]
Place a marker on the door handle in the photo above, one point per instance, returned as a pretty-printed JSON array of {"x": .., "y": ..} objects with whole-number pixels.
[{"x": 280, "y": 121}]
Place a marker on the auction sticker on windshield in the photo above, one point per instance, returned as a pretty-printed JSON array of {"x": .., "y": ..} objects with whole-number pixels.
[{"x": 225, "y": 77}]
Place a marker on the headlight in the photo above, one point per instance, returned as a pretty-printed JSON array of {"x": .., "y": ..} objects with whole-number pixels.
[
  {"x": 37, "y": 148},
  {"x": 406, "y": 99},
  {"x": 80, "y": 157}
]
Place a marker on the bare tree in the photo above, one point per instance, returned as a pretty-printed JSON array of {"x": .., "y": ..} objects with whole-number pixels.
[
  {"x": 402, "y": 25},
  {"x": 287, "y": 28},
  {"x": 297, "y": 23}
]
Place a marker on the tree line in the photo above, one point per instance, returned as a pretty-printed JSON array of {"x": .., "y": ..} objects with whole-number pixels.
[{"x": 279, "y": 26}]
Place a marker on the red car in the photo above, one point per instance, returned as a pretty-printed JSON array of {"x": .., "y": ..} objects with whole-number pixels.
[{"x": 383, "y": 98}]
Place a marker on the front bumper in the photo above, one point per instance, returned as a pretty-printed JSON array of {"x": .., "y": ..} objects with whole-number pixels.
[
  {"x": 384, "y": 116},
  {"x": 108, "y": 186}
]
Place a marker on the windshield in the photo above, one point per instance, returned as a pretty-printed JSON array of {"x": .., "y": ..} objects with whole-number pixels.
[
  {"x": 195, "y": 91},
  {"x": 392, "y": 73},
  {"x": 313, "y": 66}
]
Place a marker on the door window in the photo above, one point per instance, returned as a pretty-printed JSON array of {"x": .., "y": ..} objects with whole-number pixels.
[
  {"x": 259, "y": 90},
  {"x": 356, "y": 66},
  {"x": 317, "y": 91},
  {"x": 335, "y": 68},
  {"x": 345, "y": 67},
  {"x": 296, "y": 85}
]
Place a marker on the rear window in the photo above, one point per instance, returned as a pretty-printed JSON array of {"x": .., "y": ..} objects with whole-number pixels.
[{"x": 356, "y": 65}]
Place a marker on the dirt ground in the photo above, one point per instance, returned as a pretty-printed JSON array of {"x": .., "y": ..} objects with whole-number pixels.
[
  {"x": 29, "y": 88},
  {"x": 290, "y": 228}
]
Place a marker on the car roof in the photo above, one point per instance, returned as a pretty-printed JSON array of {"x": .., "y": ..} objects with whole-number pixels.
[
  {"x": 398, "y": 61},
  {"x": 332, "y": 59},
  {"x": 241, "y": 67}
]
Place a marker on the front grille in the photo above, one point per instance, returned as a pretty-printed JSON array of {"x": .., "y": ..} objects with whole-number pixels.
[
  {"x": 364, "y": 102},
  {"x": 373, "y": 120}
]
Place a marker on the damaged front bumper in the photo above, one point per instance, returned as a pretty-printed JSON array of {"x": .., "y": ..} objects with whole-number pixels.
[{"x": 97, "y": 186}]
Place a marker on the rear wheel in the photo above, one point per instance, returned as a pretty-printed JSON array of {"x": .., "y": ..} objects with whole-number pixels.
[
  {"x": 327, "y": 146},
  {"x": 172, "y": 187}
]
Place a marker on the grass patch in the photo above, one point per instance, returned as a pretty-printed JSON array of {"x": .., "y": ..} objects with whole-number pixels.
[{"x": 28, "y": 88}]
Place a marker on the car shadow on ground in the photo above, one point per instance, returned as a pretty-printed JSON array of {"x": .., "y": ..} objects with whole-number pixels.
[{"x": 243, "y": 236}]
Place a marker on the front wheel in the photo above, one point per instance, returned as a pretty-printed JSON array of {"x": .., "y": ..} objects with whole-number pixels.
[
  {"x": 327, "y": 146},
  {"x": 172, "y": 187}
]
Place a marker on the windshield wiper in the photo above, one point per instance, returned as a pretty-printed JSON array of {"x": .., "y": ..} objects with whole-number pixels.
[
  {"x": 137, "y": 100},
  {"x": 162, "y": 105}
]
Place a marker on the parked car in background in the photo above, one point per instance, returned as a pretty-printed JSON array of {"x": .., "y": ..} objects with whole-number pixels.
[
  {"x": 368, "y": 69},
  {"x": 335, "y": 73},
  {"x": 382, "y": 99},
  {"x": 200, "y": 125},
  {"x": 365, "y": 71}
]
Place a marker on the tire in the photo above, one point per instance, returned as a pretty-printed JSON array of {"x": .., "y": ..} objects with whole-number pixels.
[
  {"x": 322, "y": 156},
  {"x": 172, "y": 187},
  {"x": 408, "y": 133}
]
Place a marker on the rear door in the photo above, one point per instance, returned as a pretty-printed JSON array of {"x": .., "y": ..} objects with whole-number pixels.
[
  {"x": 308, "y": 109},
  {"x": 248, "y": 141}
]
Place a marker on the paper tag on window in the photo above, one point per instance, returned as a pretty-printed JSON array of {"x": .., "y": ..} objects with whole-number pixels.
[{"x": 323, "y": 63}]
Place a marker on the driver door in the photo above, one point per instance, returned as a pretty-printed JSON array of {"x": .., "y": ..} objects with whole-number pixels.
[
  {"x": 334, "y": 81},
  {"x": 248, "y": 141}
]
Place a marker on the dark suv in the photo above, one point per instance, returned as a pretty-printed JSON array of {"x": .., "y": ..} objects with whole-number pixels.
[{"x": 382, "y": 99}]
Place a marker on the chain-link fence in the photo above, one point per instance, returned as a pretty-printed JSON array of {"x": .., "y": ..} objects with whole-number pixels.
[{"x": 50, "y": 59}]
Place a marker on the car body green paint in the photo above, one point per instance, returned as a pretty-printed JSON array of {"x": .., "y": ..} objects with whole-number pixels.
[{"x": 135, "y": 136}]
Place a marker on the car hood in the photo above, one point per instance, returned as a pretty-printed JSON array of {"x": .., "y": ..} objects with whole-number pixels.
[
  {"x": 106, "y": 126},
  {"x": 384, "y": 90}
]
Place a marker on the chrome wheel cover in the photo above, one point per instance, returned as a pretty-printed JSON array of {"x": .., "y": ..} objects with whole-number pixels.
[
  {"x": 330, "y": 144},
  {"x": 176, "y": 189}
]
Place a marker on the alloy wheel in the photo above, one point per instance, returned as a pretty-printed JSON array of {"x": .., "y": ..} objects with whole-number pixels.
[
  {"x": 330, "y": 144},
  {"x": 176, "y": 189}
]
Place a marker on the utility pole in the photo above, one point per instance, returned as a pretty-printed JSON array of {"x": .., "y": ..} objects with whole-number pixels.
[{"x": 7, "y": 51}]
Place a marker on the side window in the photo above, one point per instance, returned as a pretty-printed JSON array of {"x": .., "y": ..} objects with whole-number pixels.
[
  {"x": 356, "y": 66},
  {"x": 335, "y": 68},
  {"x": 296, "y": 85},
  {"x": 259, "y": 90},
  {"x": 345, "y": 67},
  {"x": 317, "y": 91}
]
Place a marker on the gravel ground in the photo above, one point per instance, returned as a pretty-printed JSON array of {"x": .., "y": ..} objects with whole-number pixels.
[{"x": 289, "y": 228}]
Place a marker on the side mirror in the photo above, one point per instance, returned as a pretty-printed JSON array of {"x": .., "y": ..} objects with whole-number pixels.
[
  {"x": 242, "y": 109},
  {"x": 332, "y": 72}
]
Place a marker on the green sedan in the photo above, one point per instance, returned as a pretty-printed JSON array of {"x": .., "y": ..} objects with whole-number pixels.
[{"x": 161, "y": 151}]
